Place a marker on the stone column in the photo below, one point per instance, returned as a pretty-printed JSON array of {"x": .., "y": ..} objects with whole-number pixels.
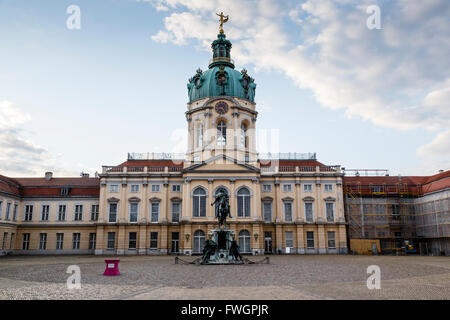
[
  {"x": 165, "y": 208},
  {"x": 342, "y": 239},
  {"x": 300, "y": 239},
  {"x": 257, "y": 213},
  {"x": 277, "y": 202},
  {"x": 209, "y": 208},
  {"x": 322, "y": 239},
  {"x": 186, "y": 205},
  {"x": 164, "y": 239},
  {"x": 123, "y": 203},
  {"x": 279, "y": 237},
  {"x": 319, "y": 203},
  {"x": 144, "y": 215},
  {"x": 100, "y": 244},
  {"x": 142, "y": 240},
  {"x": 297, "y": 204},
  {"x": 187, "y": 243},
  {"x": 233, "y": 203},
  {"x": 121, "y": 240}
]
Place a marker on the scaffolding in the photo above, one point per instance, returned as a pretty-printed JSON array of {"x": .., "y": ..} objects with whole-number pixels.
[{"x": 395, "y": 213}]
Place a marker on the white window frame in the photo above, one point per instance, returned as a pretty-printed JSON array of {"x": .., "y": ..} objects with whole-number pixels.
[
  {"x": 286, "y": 239},
  {"x": 112, "y": 188},
  {"x": 330, "y": 189},
  {"x": 179, "y": 210},
  {"x": 28, "y": 216},
  {"x": 328, "y": 239},
  {"x": 333, "y": 208},
  {"x": 267, "y": 185},
  {"x": 42, "y": 241},
  {"x": 16, "y": 208},
  {"x": 176, "y": 185},
  {"x": 47, "y": 214},
  {"x": 151, "y": 211},
  {"x": 1, "y": 209},
  {"x": 79, "y": 213},
  {"x": 59, "y": 241},
  {"x": 59, "y": 210},
  {"x": 92, "y": 240},
  {"x": 8, "y": 210},
  {"x": 305, "y": 187},
  {"x": 271, "y": 211},
  {"x": 109, "y": 211},
  {"x": 312, "y": 210},
  {"x": 155, "y": 185},
  {"x": 137, "y": 211},
  {"x": 76, "y": 241},
  {"x": 292, "y": 210},
  {"x": 313, "y": 239},
  {"x": 135, "y": 185},
  {"x": 287, "y": 186},
  {"x": 96, "y": 212}
]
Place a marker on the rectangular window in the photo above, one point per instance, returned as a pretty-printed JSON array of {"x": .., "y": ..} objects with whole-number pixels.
[
  {"x": 59, "y": 241},
  {"x": 64, "y": 191},
  {"x": 134, "y": 188},
  {"x": 287, "y": 187},
  {"x": 113, "y": 188},
  {"x": 134, "y": 212},
  {"x": 288, "y": 211},
  {"x": 307, "y": 187},
  {"x": 8, "y": 209},
  {"x": 329, "y": 211},
  {"x": 176, "y": 188},
  {"x": 310, "y": 239},
  {"x": 42, "y": 241},
  {"x": 62, "y": 212},
  {"x": 94, "y": 212},
  {"x": 155, "y": 212},
  {"x": 45, "y": 212},
  {"x": 5, "y": 237},
  {"x": 28, "y": 213},
  {"x": 132, "y": 240},
  {"x": 78, "y": 212},
  {"x": 289, "y": 239},
  {"x": 153, "y": 240},
  {"x": 176, "y": 211},
  {"x": 76, "y": 241},
  {"x": 331, "y": 240},
  {"x": 112, "y": 212},
  {"x": 1, "y": 208},
  {"x": 26, "y": 241},
  {"x": 309, "y": 215},
  {"x": 92, "y": 240},
  {"x": 15, "y": 212},
  {"x": 266, "y": 187},
  {"x": 328, "y": 187},
  {"x": 267, "y": 211},
  {"x": 111, "y": 240},
  {"x": 156, "y": 187},
  {"x": 11, "y": 242}
]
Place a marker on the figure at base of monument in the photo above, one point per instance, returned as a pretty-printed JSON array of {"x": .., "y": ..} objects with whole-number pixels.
[
  {"x": 234, "y": 250},
  {"x": 208, "y": 250}
]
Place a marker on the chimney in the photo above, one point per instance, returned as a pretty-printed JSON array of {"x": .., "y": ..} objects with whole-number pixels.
[{"x": 48, "y": 175}]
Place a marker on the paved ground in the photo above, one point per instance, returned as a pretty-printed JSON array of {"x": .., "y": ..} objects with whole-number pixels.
[{"x": 286, "y": 277}]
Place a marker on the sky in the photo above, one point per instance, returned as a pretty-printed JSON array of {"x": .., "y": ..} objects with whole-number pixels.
[{"x": 329, "y": 79}]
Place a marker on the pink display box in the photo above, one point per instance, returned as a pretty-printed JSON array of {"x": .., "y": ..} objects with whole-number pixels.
[{"x": 112, "y": 267}]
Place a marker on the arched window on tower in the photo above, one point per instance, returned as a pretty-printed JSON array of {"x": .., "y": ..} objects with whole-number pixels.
[
  {"x": 243, "y": 202},
  {"x": 244, "y": 241},
  {"x": 244, "y": 143},
  {"x": 222, "y": 133},
  {"x": 199, "y": 135},
  {"x": 199, "y": 203}
]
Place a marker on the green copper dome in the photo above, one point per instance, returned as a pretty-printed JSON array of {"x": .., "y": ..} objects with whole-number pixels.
[{"x": 221, "y": 79}]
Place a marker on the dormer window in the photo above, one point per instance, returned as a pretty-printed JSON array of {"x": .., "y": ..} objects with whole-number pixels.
[{"x": 64, "y": 191}]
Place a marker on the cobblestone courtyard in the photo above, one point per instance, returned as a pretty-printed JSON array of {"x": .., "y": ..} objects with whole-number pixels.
[{"x": 286, "y": 277}]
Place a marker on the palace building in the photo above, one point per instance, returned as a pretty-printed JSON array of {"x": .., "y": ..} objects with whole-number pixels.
[{"x": 161, "y": 203}]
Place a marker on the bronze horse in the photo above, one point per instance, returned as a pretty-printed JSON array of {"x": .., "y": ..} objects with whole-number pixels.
[{"x": 223, "y": 208}]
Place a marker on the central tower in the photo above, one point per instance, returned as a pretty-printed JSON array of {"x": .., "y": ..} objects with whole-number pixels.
[{"x": 221, "y": 111}]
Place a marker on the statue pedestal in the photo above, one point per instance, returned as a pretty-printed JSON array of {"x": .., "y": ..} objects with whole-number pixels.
[{"x": 222, "y": 255}]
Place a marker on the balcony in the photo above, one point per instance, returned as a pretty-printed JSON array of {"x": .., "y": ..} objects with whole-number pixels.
[
  {"x": 301, "y": 169},
  {"x": 140, "y": 169}
]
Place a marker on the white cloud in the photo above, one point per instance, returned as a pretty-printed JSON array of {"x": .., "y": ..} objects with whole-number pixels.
[
  {"x": 18, "y": 155},
  {"x": 394, "y": 77}
]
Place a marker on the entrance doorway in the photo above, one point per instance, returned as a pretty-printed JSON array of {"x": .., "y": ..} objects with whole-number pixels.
[
  {"x": 175, "y": 248},
  {"x": 267, "y": 242}
]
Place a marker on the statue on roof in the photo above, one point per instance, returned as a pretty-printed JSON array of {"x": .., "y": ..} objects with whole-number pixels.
[{"x": 223, "y": 19}]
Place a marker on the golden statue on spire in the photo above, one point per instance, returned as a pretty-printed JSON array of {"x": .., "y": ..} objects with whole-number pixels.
[{"x": 222, "y": 20}]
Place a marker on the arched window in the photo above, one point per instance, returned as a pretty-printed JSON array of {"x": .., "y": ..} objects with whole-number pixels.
[
  {"x": 199, "y": 241},
  {"x": 199, "y": 135},
  {"x": 243, "y": 136},
  {"x": 221, "y": 133},
  {"x": 199, "y": 203},
  {"x": 244, "y": 241},
  {"x": 243, "y": 202}
]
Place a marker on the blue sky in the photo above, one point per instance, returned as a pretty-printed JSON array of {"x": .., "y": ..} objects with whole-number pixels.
[{"x": 73, "y": 100}]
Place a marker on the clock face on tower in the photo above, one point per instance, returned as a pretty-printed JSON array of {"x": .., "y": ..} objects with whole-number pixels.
[{"x": 221, "y": 107}]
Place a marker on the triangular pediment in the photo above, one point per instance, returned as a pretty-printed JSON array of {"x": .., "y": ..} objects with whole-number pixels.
[{"x": 221, "y": 163}]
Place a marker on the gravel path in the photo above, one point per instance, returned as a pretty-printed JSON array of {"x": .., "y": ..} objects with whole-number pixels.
[{"x": 286, "y": 277}]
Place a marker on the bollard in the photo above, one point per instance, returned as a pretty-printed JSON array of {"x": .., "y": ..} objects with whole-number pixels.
[{"x": 112, "y": 267}]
